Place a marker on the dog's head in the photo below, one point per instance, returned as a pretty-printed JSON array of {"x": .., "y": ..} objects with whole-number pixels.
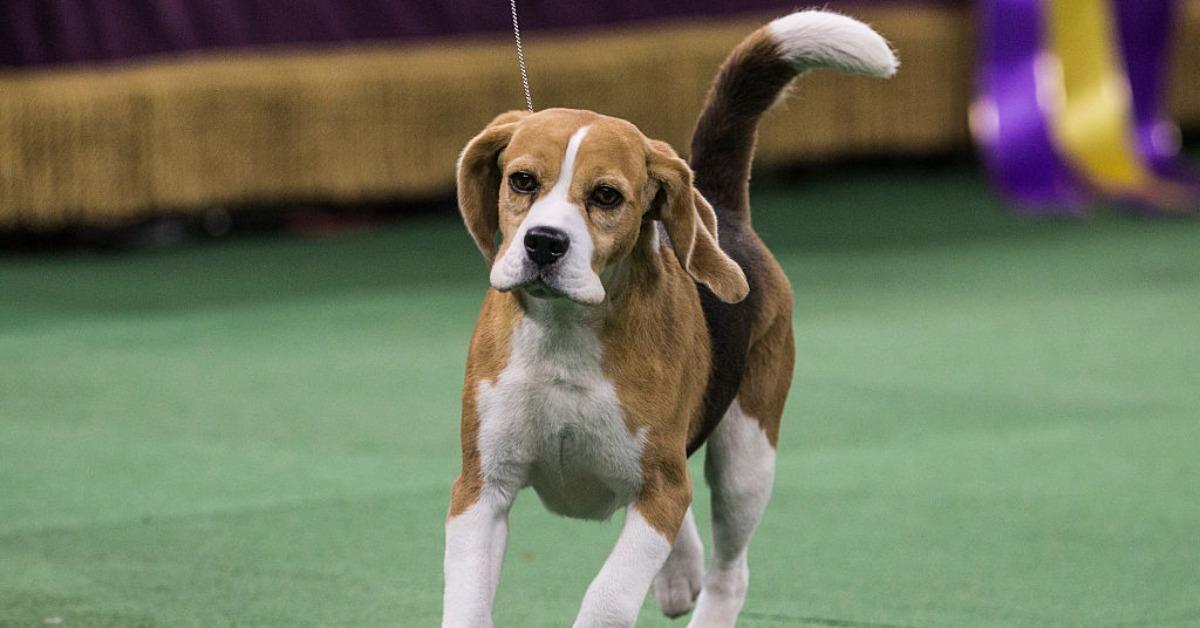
[{"x": 570, "y": 193}]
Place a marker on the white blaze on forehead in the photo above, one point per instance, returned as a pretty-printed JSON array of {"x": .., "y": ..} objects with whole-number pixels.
[
  {"x": 572, "y": 275},
  {"x": 567, "y": 171}
]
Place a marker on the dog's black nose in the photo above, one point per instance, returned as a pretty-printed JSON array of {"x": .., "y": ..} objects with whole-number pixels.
[{"x": 545, "y": 245}]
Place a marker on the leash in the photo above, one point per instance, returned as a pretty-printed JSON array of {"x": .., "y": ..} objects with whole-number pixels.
[{"x": 521, "y": 56}]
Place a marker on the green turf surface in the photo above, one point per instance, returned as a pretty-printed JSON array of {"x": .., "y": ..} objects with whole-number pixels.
[{"x": 994, "y": 422}]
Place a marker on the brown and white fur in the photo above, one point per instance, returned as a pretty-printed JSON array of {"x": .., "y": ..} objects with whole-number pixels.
[{"x": 634, "y": 316}]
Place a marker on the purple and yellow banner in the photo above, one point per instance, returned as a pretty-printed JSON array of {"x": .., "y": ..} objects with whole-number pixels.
[{"x": 1070, "y": 105}]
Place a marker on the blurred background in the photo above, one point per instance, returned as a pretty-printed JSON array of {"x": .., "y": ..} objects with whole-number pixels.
[{"x": 236, "y": 300}]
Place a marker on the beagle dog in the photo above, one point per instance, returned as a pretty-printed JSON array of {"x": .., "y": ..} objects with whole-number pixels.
[{"x": 633, "y": 316}]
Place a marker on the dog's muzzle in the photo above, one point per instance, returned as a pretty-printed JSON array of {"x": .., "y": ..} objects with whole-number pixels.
[{"x": 556, "y": 261}]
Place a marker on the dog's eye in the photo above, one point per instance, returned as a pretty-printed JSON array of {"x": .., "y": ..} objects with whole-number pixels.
[
  {"x": 605, "y": 196},
  {"x": 522, "y": 182}
]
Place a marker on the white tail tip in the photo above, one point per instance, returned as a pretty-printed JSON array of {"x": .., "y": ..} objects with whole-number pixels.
[{"x": 820, "y": 39}]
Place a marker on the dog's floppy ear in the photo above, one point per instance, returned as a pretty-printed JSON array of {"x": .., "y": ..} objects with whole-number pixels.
[
  {"x": 478, "y": 175},
  {"x": 691, "y": 225}
]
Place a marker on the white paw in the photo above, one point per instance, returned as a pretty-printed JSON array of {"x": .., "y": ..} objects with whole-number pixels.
[
  {"x": 716, "y": 611},
  {"x": 676, "y": 593},
  {"x": 721, "y": 600},
  {"x": 678, "y": 583}
]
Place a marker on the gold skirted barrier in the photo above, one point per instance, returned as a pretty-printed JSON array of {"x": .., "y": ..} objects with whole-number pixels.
[{"x": 112, "y": 143}]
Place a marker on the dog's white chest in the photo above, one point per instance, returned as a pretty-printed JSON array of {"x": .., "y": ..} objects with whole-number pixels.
[{"x": 552, "y": 421}]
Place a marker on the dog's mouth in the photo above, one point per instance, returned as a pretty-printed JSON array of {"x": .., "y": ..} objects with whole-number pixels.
[
  {"x": 541, "y": 288},
  {"x": 545, "y": 286}
]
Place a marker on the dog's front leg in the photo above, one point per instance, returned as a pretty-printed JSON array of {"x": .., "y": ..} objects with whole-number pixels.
[
  {"x": 476, "y": 536},
  {"x": 616, "y": 595}
]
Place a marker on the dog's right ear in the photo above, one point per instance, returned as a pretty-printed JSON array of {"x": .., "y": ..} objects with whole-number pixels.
[{"x": 479, "y": 181}]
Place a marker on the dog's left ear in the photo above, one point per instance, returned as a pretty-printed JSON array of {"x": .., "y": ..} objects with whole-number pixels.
[
  {"x": 478, "y": 174},
  {"x": 692, "y": 225}
]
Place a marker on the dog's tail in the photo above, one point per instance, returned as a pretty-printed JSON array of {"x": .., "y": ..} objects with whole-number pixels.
[{"x": 751, "y": 80}]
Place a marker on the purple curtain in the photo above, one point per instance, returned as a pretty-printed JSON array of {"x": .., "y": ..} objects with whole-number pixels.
[{"x": 42, "y": 32}]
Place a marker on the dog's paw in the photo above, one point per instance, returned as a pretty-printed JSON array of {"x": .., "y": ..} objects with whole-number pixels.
[
  {"x": 678, "y": 584},
  {"x": 676, "y": 595},
  {"x": 722, "y": 598}
]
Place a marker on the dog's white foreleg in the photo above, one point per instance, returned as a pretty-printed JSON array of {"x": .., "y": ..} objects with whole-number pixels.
[
  {"x": 615, "y": 596},
  {"x": 475, "y": 542}
]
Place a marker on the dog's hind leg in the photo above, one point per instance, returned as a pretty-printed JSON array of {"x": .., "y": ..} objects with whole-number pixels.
[
  {"x": 678, "y": 582},
  {"x": 740, "y": 468}
]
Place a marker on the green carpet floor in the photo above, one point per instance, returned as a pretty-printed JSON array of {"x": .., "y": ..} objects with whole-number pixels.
[{"x": 994, "y": 422}]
